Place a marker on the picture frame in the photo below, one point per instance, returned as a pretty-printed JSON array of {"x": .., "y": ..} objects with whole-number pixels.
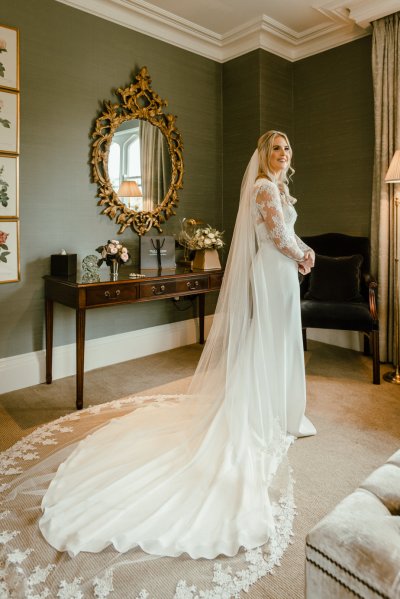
[
  {"x": 9, "y": 251},
  {"x": 9, "y": 187},
  {"x": 9, "y": 122},
  {"x": 9, "y": 57}
]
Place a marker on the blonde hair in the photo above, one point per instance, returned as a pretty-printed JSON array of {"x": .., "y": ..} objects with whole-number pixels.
[{"x": 265, "y": 145}]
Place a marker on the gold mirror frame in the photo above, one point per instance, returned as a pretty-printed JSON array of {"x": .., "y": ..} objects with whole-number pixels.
[{"x": 138, "y": 101}]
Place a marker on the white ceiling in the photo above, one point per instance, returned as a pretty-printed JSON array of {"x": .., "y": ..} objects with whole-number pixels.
[{"x": 224, "y": 29}]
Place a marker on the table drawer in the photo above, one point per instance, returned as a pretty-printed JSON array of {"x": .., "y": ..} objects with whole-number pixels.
[
  {"x": 111, "y": 294},
  {"x": 192, "y": 284},
  {"x": 216, "y": 280},
  {"x": 157, "y": 289}
]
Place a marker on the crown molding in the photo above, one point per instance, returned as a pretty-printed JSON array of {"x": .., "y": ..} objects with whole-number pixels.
[
  {"x": 345, "y": 21},
  {"x": 363, "y": 13},
  {"x": 270, "y": 35}
]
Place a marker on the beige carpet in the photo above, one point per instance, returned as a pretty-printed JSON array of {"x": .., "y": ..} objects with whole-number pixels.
[{"x": 358, "y": 429}]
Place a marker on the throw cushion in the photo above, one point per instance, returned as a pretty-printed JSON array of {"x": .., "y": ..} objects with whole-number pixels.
[{"x": 335, "y": 279}]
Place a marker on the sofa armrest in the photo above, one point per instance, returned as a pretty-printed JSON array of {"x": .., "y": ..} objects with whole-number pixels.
[{"x": 355, "y": 549}]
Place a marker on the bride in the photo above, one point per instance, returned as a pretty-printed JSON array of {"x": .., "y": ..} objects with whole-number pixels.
[{"x": 204, "y": 474}]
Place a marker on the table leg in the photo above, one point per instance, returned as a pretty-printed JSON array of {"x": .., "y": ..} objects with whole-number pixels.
[
  {"x": 202, "y": 301},
  {"x": 80, "y": 356},
  {"x": 49, "y": 339}
]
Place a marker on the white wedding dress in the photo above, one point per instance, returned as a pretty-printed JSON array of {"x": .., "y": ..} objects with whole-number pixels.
[{"x": 203, "y": 474}]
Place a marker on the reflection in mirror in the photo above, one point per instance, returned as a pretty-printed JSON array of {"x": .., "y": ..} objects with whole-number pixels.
[
  {"x": 130, "y": 195},
  {"x": 137, "y": 158},
  {"x": 139, "y": 152}
]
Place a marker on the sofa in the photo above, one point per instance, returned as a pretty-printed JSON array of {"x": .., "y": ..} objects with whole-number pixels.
[{"x": 355, "y": 550}]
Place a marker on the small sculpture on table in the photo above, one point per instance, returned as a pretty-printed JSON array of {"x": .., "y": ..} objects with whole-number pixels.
[{"x": 90, "y": 270}]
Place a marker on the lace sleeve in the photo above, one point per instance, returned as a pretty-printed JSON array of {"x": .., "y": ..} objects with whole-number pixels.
[
  {"x": 270, "y": 208},
  {"x": 303, "y": 246}
]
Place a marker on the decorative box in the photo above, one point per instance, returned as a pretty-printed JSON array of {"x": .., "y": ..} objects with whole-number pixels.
[
  {"x": 63, "y": 265},
  {"x": 206, "y": 260}
]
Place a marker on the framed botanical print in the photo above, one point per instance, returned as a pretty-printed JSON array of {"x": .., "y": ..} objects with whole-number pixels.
[
  {"x": 9, "y": 121},
  {"x": 9, "y": 251},
  {"x": 9, "y": 57},
  {"x": 8, "y": 186}
]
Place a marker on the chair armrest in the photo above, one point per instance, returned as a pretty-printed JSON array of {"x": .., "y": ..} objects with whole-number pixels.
[
  {"x": 368, "y": 278},
  {"x": 372, "y": 286}
]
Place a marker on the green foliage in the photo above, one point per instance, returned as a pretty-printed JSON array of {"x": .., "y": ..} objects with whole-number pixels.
[
  {"x": 4, "y": 199},
  {"x": 3, "y": 255}
]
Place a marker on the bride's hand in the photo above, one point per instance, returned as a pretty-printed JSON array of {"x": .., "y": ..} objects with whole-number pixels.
[
  {"x": 304, "y": 269},
  {"x": 309, "y": 256}
]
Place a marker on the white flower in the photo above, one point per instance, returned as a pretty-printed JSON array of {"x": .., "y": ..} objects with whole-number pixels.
[{"x": 202, "y": 238}]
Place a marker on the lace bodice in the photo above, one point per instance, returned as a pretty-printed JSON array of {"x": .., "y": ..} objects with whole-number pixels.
[{"x": 275, "y": 217}]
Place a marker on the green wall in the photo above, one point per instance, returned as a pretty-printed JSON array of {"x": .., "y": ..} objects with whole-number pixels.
[
  {"x": 71, "y": 61},
  {"x": 334, "y": 139},
  {"x": 257, "y": 93}
]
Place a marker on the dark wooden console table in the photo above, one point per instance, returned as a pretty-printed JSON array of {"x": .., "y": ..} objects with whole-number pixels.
[{"x": 80, "y": 295}]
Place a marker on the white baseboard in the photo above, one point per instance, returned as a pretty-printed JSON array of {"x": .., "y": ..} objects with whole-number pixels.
[
  {"x": 25, "y": 370},
  {"x": 346, "y": 339}
]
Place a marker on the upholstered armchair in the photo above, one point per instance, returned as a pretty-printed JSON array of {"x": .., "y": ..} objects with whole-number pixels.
[{"x": 340, "y": 293}]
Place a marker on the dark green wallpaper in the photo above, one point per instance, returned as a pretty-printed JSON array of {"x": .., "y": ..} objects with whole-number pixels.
[
  {"x": 71, "y": 62},
  {"x": 334, "y": 139},
  {"x": 276, "y": 94},
  {"x": 241, "y": 127},
  {"x": 257, "y": 96}
]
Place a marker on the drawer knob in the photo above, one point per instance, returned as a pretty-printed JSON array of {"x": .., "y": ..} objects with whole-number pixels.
[
  {"x": 159, "y": 291},
  {"x": 190, "y": 285},
  {"x": 109, "y": 296}
]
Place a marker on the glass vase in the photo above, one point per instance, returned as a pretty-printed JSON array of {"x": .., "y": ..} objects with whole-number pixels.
[{"x": 114, "y": 264}]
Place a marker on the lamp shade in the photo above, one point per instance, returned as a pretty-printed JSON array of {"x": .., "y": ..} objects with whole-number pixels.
[
  {"x": 129, "y": 189},
  {"x": 393, "y": 174}
]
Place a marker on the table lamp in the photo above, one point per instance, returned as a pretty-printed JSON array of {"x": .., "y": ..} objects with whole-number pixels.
[{"x": 129, "y": 189}]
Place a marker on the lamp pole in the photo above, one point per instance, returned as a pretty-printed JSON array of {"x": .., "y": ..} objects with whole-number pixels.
[{"x": 393, "y": 176}]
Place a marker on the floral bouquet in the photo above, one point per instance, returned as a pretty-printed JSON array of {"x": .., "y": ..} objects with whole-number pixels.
[
  {"x": 202, "y": 238},
  {"x": 5, "y": 122},
  {"x": 3, "y": 48},
  {"x": 112, "y": 250},
  {"x": 3, "y": 246}
]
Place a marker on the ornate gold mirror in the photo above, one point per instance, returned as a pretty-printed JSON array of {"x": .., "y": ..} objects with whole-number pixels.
[{"x": 137, "y": 158}]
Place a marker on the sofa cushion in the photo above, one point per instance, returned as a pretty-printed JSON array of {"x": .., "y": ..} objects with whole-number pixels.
[
  {"x": 355, "y": 549},
  {"x": 336, "y": 279}
]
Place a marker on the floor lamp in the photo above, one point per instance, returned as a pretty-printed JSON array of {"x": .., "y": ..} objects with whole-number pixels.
[{"x": 393, "y": 177}]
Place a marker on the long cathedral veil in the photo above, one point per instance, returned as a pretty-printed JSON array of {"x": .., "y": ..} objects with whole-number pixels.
[{"x": 221, "y": 362}]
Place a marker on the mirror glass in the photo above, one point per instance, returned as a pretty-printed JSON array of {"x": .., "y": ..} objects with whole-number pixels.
[
  {"x": 137, "y": 158},
  {"x": 139, "y": 152}
]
